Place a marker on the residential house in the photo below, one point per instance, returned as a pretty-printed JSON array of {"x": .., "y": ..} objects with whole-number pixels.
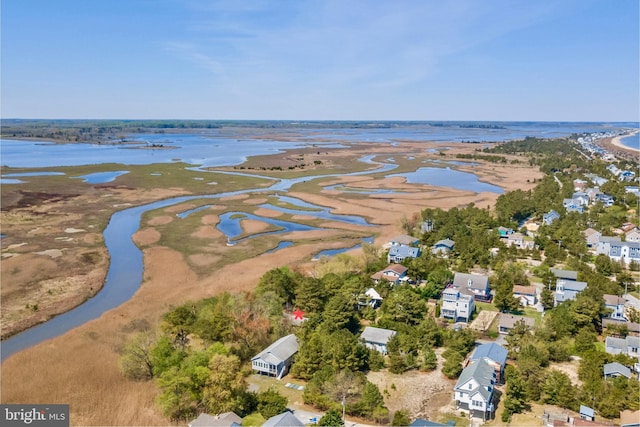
[
  {"x": 394, "y": 273},
  {"x": 605, "y": 199},
  {"x": 629, "y": 418},
  {"x": 592, "y": 237},
  {"x": 508, "y": 321},
  {"x": 614, "y": 169},
  {"x": 627, "y": 175},
  {"x": 579, "y": 185},
  {"x": 226, "y": 419},
  {"x": 276, "y": 359},
  {"x": 633, "y": 189},
  {"x": 587, "y": 413},
  {"x": 628, "y": 345},
  {"x": 550, "y": 216},
  {"x": 618, "y": 250},
  {"x": 621, "y": 327},
  {"x": 377, "y": 338},
  {"x": 597, "y": 180},
  {"x": 571, "y": 206},
  {"x": 615, "y": 369},
  {"x": 426, "y": 226},
  {"x": 519, "y": 241},
  {"x": 286, "y": 419},
  {"x": 504, "y": 231},
  {"x": 371, "y": 298},
  {"x": 403, "y": 240},
  {"x": 616, "y": 305},
  {"x": 565, "y": 274},
  {"x": 474, "y": 389},
  {"x": 526, "y": 294},
  {"x": 628, "y": 226},
  {"x": 476, "y": 284},
  {"x": 567, "y": 290},
  {"x": 580, "y": 198},
  {"x": 443, "y": 247},
  {"x": 399, "y": 253},
  {"x": 457, "y": 304},
  {"x": 495, "y": 355},
  {"x": 633, "y": 236}
]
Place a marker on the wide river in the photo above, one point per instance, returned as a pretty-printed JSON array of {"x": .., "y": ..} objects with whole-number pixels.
[{"x": 216, "y": 148}]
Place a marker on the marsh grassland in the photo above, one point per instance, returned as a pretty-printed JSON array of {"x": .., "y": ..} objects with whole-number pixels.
[{"x": 53, "y": 255}]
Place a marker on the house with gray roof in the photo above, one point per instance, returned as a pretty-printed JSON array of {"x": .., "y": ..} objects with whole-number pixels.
[
  {"x": 443, "y": 247},
  {"x": 399, "y": 253},
  {"x": 276, "y": 359},
  {"x": 508, "y": 321},
  {"x": 286, "y": 419},
  {"x": 587, "y": 413},
  {"x": 550, "y": 217},
  {"x": 394, "y": 273},
  {"x": 226, "y": 419},
  {"x": 628, "y": 345},
  {"x": 474, "y": 389},
  {"x": 592, "y": 237},
  {"x": 618, "y": 250},
  {"x": 616, "y": 305},
  {"x": 476, "y": 284},
  {"x": 457, "y": 304},
  {"x": 495, "y": 355},
  {"x": 376, "y": 338},
  {"x": 421, "y": 422},
  {"x": 615, "y": 369},
  {"x": 404, "y": 239},
  {"x": 567, "y": 290},
  {"x": 565, "y": 274}
]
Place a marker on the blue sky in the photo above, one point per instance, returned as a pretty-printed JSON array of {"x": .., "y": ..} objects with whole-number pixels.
[{"x": 561, "y": 60}]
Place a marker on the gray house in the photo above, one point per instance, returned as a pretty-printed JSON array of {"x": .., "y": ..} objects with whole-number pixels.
[
  {"x": 286, "y": 419},
  {"x": 226, "y": 419},
  {"x": 399, "y": 253},
  {"x": 377, "y": 338},
  {"x": 474, "y": 389},
  {"x": 276, "y": 359},
  {"x": 476, "y": 284},
  {"x": 615, "y": 369}
]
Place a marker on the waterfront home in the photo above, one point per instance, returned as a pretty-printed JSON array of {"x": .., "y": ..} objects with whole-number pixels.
[
  {"x": 443, "y": 247},
  {"x": 508, "y": 321},
  {"x": 476, "y": 284},
  {"x": 616, "y": 305},
  {"x": 394, "y": 273},
  {"x": 526, "y": 294},
  {"x": 474, "y": 389},
  {"x": 276, "y": 359},
  {"x": 376, "y": 338},
  {"x": 226, "y": 419},
  {"x": 403, "y": 240},
  {"x": 615, "y": 369},
  {"x": 398, "y": 253},
  {"x": 628, "y": 345},
  {"x": 495, "y": 355},
  {"x": 457, "y": 304},
  {"x": 550, "y": 217}
]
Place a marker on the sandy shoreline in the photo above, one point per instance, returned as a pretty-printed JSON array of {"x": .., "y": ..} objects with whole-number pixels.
[{"x": 617, "y": 141}]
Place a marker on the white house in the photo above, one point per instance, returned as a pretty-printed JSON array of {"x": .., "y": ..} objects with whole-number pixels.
[
  {"x": 276, "y": 359},
  {"x": 616, "y": 305},
  {"x": 526, "y": 294},
  {"x": 474, "y": 389},
  {"x": 457, "y": 304},
  {"x": 376, "y": 338},
  {"x": 398, "y": 253},
  {"x": 567, "y": 290},
  {"x": 633, "y": 236},
  {"x": 372, "y": 298},
  {"x": 394, "y": 273},
  {"x": 618, "y": 250},
  {"x": 592, "y": 237},
  {"x": 628, "y": 345}
]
